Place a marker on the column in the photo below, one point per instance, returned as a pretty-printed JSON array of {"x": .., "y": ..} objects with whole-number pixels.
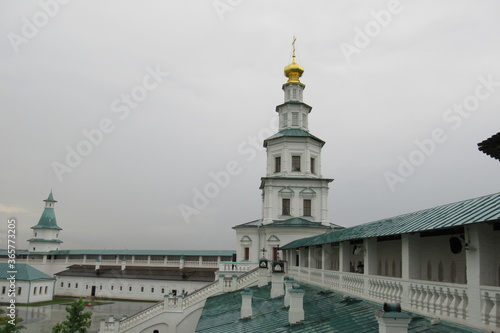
[
  {"x": 344, "y": 253},
  {"x": 410, "y": 256},
  {"x": 480, "y": 254},
  {"x": 370, "y": 256}
]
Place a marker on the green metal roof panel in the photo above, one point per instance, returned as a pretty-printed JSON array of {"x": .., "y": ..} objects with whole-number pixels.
[
  {"x": 147, "y": 252},
  {"x": 45, "y": 240},
  {"x": 47, "y": 220},
  {"x": 24, "y": 272},
  {"x": 291, "y": 222},
  {"x": 482, "y": 209},
  {"x": 324, "y": 311},
  {"x": 50, "y": 198},
  {"x": 293, "y": 132},
  {"x": 256, "y": 223}
]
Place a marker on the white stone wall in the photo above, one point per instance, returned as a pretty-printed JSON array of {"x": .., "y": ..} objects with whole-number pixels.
[
  {"x": 286, "y": 148},
  {"x": 263, "y": 238},
  {"x": 140, "y": 289},
  {"x": 436, "y": 256},
  {"x": 28, "y": 292},
  {"x": 296, "y": 190},
  {"x": 389, "y": 258}
]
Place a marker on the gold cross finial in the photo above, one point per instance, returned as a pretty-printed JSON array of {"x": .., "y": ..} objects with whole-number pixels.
[{"x": 293, "y": 48}]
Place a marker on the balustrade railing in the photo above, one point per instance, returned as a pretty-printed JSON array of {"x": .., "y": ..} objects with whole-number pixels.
[
  {"x": 490, "y": 307},
  {"x": 434, "y": 299},
  {"x": 229, "y": 266},
  {"x": 439, "y": 299},
  {"x": 177, "y": 304}
]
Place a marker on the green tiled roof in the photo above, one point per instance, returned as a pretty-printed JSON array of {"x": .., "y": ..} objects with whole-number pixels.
[
  {"x": 291, "y": 222},
  {"x": 45, "y": 240},
  {"x": 482, "y": 209},
  {"x": 24, "y": 272},
  {"x": 293, "y": 132},
  {"x": 50, "y": 198},
  {"x": 222, "y": 253},
  {"x": 48, "y": 218},
  {"x": 324, "y": 311},
  {"x": 148, "y": 252}
]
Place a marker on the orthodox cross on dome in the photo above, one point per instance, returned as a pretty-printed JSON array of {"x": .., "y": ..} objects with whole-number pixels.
[{"x": 293, "y": 71}]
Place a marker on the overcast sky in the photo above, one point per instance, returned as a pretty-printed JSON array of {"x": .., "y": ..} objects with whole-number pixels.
[{"x": 401, "y": 92}]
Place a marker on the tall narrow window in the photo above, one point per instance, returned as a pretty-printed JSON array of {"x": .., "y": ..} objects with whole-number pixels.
[
  {"x": 295, "y": 119},
  {"x": 19, "y": 289},
  {"x": 313, "y": 165},
  {"x": 285, "y": 119},
  {"x": 307, "y": 207},
  {"x": 247, "y": 253},
  {"x": 295, "y": 163},
  {"x": 294, "y": 93},
  {"x": 285, "y": 207},
  {"x": 277, "y": 164}
]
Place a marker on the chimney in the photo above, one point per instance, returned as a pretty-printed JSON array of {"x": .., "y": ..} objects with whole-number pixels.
[
  {"x": 296, "y": 312},
  {"x": 392, "y": 320},
  {"x": 277, "y": 280},
  {"x": 246, "y": 304},
  {"x": 288, "y": 285},
  {"x": 263, "y": 270}
]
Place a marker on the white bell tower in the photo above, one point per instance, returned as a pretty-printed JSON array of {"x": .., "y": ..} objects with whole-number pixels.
[
  {"x": 293, "y": 185},
  {"x": 294, "y": 192}
]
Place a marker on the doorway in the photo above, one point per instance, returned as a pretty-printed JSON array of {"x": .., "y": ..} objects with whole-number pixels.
[{"x": 92, "y": 292}]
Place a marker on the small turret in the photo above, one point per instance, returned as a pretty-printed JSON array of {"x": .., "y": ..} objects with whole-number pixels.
[{"x": 46, "y": 232}]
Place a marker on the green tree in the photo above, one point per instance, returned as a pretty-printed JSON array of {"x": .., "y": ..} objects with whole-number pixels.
[
  {"x": 78, "y": 321},
  {"x": 9, "y": 328}
]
